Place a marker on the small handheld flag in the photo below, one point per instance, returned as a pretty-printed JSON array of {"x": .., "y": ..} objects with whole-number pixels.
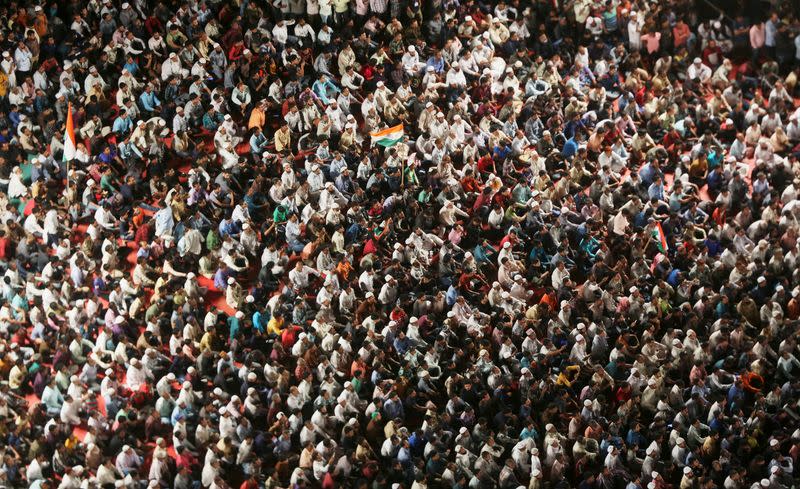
[
  {"x": 70, "y": 143},
  {"x": 388, "y": 137},
  {"x": 658, "y": 233}
]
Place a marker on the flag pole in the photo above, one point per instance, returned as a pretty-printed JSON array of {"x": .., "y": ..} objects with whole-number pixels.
[
  {"x": 68, "y": 135},
  {"x": 69, "y": 116}
]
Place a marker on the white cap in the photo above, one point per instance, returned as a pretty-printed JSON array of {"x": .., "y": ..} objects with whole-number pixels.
[
  {"x": 587, "y": 403},
  {"x": 231, "y": 280},
  {"x": 764, "y": 482},
  {"x": 579, "y": 338},
  {"x": 687, "y": 470},
  {"x": 697, "y": 61},
  {"x": 680, "y": 441},
  {"x": 125, "y": 5}
]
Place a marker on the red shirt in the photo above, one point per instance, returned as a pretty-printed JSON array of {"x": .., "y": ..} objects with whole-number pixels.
[
  {"x": 4, "y": 246},
  {"x": 185, "y": 459}
]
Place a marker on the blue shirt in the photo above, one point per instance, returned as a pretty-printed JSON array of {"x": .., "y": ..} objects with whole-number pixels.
[
  {"x": 122, "y": 126},
  {"x": 133, "y": 68},
  {"x": 570, "y": 148},
  {"x": 647, "y": 174},
  {"x": 322, "y": 89},
  {"x": 221, "y": 278},
  {"x": 438, "y": 65},
  {"x": 656, "y": 191},
  {"x": 233, "y": 326},
  {"x": 149, "y": 101},
  {"x": 260, "y": 321},
  {"x": 258, "y": 142},
  {"x": 228, "y": 227}
]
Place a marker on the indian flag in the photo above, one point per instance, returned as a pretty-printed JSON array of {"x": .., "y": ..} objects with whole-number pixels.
[
  {"x": 658, "y": 233},
  {"x": 388, "y": 137},
  {"x": 70, "y": 144}
]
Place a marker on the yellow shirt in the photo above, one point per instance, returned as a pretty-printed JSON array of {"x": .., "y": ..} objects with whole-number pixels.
[
  {"x": 275, "y": 326},
  {"x": 257, "y": 119},
  {"x": 205, "y": 342},
  {"x": 283, "y": 139}
]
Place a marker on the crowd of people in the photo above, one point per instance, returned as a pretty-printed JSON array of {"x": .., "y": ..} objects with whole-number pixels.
[{"x": 401, "y": 244}]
